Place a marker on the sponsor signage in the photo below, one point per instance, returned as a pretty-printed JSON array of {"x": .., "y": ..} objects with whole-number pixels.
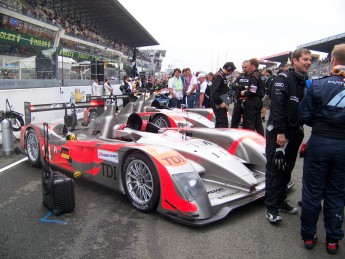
[
  {"x": 23, "y": 39},
  {"x": 108, "y": 155}
]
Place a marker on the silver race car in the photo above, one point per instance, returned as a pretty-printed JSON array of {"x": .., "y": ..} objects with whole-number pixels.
[{"x": 190, "y": 180}]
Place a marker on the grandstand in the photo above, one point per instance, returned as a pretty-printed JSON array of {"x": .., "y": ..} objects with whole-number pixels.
[
  {"x": 63, "y": 41},
  {"x": 320, "y": 67}
]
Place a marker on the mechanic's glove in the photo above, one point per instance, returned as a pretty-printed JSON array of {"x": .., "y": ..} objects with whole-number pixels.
[
  {"x": 279, "y": 160},
  {"x": 302, "y": 150}
]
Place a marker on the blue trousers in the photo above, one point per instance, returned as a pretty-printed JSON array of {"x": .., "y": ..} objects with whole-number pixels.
[{"x": 323, "y": 179}]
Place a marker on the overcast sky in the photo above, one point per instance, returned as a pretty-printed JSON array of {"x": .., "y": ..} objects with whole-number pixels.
[{"x": 203, "y": 35}]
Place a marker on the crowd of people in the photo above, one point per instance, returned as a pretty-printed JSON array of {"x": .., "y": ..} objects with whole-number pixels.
[{"x": 44, "y": 10}]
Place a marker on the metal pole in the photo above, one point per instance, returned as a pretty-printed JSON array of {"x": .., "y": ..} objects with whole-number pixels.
[{"x": 62, "y": 81}]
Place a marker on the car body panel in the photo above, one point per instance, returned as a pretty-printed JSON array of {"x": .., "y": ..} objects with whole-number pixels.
[{"x": 100, "y": 150}]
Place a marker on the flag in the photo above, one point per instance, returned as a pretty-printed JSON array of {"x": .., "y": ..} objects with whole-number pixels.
[{"x": 134, "y": 64}]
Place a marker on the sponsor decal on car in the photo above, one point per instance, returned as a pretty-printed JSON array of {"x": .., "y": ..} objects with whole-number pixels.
[
  {"x": 167, "y": 158},
  {"x": 65, "y": 153},
  {"x": 108, "y": 155}
]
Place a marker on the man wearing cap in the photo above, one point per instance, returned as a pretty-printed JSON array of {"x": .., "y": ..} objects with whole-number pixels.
[
  {"x": 219, "y": 91},
  {"x": 204, "y": 92}
]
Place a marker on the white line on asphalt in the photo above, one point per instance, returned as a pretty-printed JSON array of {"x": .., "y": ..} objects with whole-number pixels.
[{"x": 12, "y": 165}]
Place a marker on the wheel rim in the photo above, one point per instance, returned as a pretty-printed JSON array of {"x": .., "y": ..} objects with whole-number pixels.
[
  {"x": 139, "y": 182},
  {"x": 161, "y": 122},
  {"x": 32, "y": 146}
]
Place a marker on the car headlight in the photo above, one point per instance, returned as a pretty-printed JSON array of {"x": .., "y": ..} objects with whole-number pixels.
[{"x": 190, "y": 184}]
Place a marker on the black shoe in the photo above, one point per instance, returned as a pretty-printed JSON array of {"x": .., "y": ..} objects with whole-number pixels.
[
  {"x": 273, "y": 216},
  {"x": 287, "y": 208},
  {"x": 309, "y": 242}
]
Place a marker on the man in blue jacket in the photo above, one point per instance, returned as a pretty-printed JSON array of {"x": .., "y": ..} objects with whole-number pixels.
[{"x": 323, "y": 108}]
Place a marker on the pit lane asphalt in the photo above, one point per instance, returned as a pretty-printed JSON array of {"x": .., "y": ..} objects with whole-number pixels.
[{"x": 105, "y": 225}]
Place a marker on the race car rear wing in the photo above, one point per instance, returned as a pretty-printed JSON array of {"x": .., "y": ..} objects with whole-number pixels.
[{"x": 94, "y": 101}]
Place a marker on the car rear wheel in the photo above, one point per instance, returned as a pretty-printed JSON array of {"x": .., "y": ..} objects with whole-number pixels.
[
  {"x": 161, "y": 121},
  {"x": 17, "y": 122},
  {"x": 92, "y": 115},
  {"x": 140, "y": 181},
  {"x": 32, "y": 146}
]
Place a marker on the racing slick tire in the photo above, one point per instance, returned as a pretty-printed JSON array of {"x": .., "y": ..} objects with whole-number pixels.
[
  {"x": 32, "y": 147},
  {"x": 140, "y": 182},
  {"x": 17, "y": 122},
  {"x": 161, "y": 121},
  {"x": 92, "y": 115}
]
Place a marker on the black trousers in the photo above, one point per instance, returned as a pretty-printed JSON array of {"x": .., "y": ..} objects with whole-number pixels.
[
  {"x": 276, "y": 181},
  {"x": 221, "y": 116},
  {"x": 237, "y": 114},
  {"x": 252, "y": 115}
]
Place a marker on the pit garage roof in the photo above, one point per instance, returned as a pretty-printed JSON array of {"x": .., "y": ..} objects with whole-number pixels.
[
  {"x": 113, "y": 19},
  {"x": 325, "y": 45},
  {"x": 282, "y": 58}
]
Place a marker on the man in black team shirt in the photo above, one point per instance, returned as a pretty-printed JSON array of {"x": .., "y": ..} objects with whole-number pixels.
[
  {"x": 219, "y": 90},
  {"x": 284, "y": 133},
  {"x": 254, "y": 93}
]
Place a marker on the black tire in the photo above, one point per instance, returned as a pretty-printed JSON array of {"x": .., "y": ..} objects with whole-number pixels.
[
  {"x": 140, "y": 181},
  {"x": 161, "y": 121},
  {"x": 92, "y": 115},
  {"x": 17, "y": 122},
  {"x": 32, "y": 147}
]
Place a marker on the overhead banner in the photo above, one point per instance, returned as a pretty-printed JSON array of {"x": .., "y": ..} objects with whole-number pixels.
[
  {"x": 23, "y": 39},
  {"x": 75, "y": 55}
]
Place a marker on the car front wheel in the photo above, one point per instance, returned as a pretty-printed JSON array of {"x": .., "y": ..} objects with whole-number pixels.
[{"x": 141, "y": 183}]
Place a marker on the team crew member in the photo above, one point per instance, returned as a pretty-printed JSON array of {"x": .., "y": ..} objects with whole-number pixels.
[
  {"x": 268, "y": 79},
  {"x": 240, "y": 84},
  {"x": 255, "y": 92},
  {"x": 175, "y": 86},
  {"x": 323, "y": 108},
  {"x": 126, "y": 86},
  {"x": 219, "y": 89},
  {"x": 283, "y": 124}
]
